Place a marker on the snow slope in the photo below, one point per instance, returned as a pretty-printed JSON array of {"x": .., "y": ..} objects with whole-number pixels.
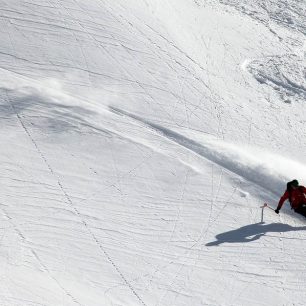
[{"x": 139, "y": 140}]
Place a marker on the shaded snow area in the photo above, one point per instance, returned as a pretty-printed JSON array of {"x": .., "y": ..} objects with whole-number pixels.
[
  {"x": 286, "y": 13},
  {"x": 139, "y": 141}
]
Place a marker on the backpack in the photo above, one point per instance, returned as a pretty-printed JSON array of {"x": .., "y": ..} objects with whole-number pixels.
[{"x": 289, "y": 189}]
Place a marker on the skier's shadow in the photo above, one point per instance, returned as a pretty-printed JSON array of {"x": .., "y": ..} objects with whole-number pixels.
[{"x": 253, "y": 232}]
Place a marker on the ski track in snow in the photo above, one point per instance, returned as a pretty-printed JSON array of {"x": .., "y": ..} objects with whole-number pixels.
[{"x": 265, "y": 169}]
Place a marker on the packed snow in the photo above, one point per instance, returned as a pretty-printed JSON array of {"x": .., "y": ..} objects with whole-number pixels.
[{"x": 140, "y": 140}]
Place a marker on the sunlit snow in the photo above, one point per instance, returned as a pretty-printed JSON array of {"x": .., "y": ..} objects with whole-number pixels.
[{"x": 139, "y": 140}]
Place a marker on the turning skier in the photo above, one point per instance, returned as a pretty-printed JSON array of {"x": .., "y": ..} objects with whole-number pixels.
[{"x": 296, "y": 195}]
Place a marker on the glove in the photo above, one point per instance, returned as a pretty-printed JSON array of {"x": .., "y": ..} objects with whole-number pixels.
[{"x": 277, "y": 211}]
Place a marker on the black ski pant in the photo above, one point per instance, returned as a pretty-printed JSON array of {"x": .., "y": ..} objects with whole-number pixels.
[{"x": 301, "y": 210}]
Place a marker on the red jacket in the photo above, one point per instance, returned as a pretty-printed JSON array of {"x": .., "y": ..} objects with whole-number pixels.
[{"x": 297, "y": 197}]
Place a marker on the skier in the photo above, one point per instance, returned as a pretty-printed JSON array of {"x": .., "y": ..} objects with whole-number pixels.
[{"x": 297, "y": 198}]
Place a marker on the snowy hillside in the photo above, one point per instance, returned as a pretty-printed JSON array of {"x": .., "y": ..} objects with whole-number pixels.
[{"x": 139, "y": 140}]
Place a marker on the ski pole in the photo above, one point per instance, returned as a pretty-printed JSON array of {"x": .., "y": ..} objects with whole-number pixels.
[
  {"x": 266, "y": 205},
  {"x": 262, "y": 211}
]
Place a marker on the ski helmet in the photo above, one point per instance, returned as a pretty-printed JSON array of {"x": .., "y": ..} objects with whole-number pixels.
[{"x": 293, "y": 183}]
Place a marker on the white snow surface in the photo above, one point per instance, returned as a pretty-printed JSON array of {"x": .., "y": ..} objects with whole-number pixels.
[{"x": 138, "y": 141}]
